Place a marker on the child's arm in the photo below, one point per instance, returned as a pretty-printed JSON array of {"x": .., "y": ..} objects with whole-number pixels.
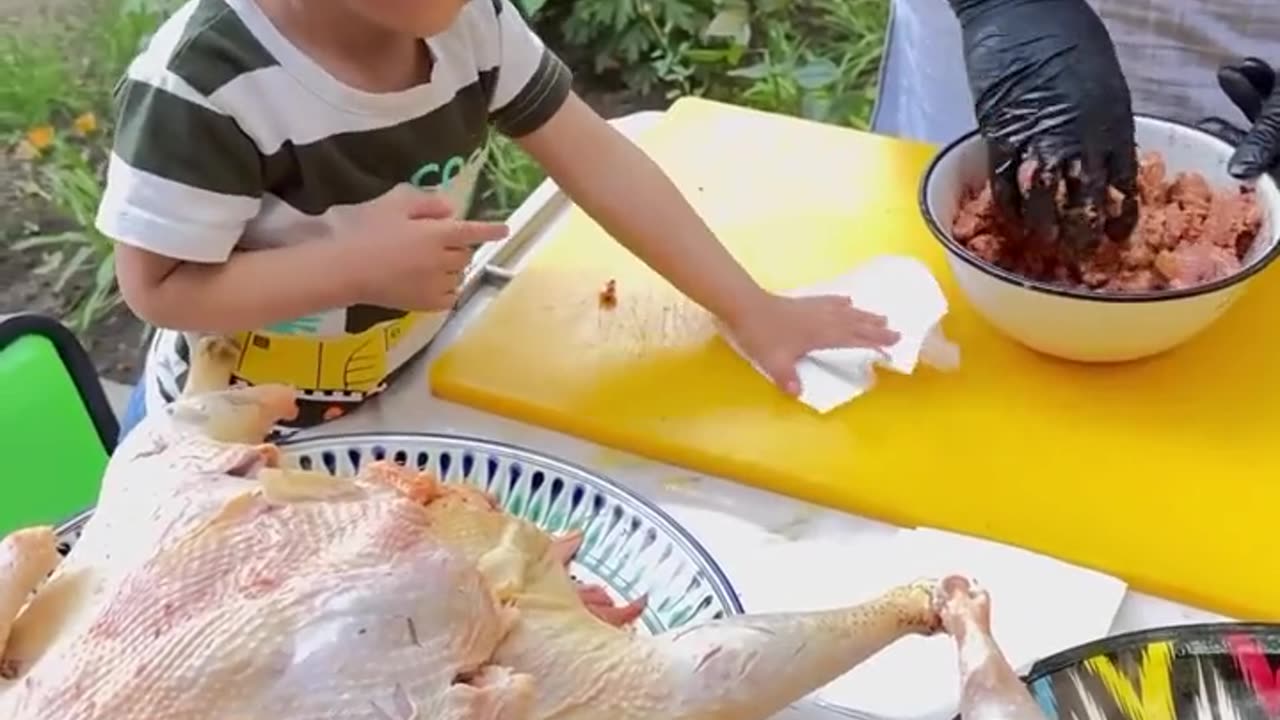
[
  {"x": 634, "y": 200},
  {"x": 258, "y": 288},
  {"x": 250, "y": 290},
  {"x": 616, "y": 183},
  {"x": 184, "y": 181}
]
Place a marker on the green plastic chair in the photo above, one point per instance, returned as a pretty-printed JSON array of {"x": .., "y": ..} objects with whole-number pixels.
[{"x": 57, "y": 429}]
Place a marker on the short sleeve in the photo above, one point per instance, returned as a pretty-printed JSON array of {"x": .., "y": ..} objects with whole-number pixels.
[
  {"x": 183, "y": 179},
  {"x": 532, "y": 82}
]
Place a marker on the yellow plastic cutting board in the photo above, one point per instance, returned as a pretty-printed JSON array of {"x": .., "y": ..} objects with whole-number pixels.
[{"x": 1165, "y": 472}]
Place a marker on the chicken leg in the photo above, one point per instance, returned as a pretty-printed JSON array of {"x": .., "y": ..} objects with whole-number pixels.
[
  {"x": 747, "y": 667},
  {"x": 990, "y": 689},
  {"x": 26, "y": 559},
  {"x": 752, "y": 667}
]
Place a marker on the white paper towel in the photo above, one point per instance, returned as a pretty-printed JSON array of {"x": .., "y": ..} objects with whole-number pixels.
[{"x": 902, "y": 290}]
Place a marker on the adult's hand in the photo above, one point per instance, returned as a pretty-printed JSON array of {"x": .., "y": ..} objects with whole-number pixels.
[
  {"x": 1251, "y": 85},
  {"x": 1055, "y": 110}
]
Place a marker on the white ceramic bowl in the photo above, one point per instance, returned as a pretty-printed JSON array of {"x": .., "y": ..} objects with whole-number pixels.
[{"x": 1084, "y": 325}]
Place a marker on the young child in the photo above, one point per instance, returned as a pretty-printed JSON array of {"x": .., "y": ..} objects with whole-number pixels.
[{"x": 294, "y": 173}]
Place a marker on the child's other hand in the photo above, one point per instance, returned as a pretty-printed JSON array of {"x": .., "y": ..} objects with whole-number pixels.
[
  {"x": 412, "y": 252},
  {"x": 779, "y": 331}
]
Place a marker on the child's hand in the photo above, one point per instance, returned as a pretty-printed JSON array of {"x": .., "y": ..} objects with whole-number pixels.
[
  {"x": 780, "y": 331},
  {"x": 412, "y": 253}
]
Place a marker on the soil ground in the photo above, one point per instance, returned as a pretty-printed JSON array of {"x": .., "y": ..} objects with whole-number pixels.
[{"x": 116, "y": 342}]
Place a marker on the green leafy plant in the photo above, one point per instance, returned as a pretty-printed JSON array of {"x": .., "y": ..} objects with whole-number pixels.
[
  {"x": 639, "y": 41},
  {"x": 510, "y": 176},
  {"x": 71, "y": 184},
  {"x": 42, "y": 81},
  {"x": 121, "y": 30},
  {"x": 36, "y": 81},
  {"x": 817, "y": 59},
  {"x": 813, "y": 58}
]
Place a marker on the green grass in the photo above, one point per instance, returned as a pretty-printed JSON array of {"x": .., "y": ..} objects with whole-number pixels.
[
  {"x": 811, "y": 58},
  {"x": 34, "y": 81},
  {"x": 52, "y": 73}
]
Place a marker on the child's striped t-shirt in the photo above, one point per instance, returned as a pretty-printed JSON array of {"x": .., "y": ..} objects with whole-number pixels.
[{"x": 231, "y": 139}]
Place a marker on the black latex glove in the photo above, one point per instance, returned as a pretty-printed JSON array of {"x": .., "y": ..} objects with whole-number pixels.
[
  {"x": 1250, "y": 84},
  {"x": 1055, "y": 110}
]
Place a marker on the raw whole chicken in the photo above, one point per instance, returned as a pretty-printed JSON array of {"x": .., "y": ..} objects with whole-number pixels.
[{"x": 213, "y": 584}]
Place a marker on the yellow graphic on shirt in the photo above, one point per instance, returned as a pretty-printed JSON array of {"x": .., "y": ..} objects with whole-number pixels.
[{"x": 344, "y": 367}]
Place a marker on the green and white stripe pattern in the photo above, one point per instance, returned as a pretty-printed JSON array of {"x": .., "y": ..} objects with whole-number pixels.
[{"x": 229, "y": 137}]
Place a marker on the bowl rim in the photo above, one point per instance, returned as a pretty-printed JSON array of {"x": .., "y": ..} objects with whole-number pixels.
[
  {"x": 1051, "y": 665},
  {"x": 956, "y": 249},
  {"x": 1189, "y": 633}
]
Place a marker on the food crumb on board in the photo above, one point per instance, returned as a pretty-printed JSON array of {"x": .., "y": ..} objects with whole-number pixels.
[{"x": 609, "y": 295}]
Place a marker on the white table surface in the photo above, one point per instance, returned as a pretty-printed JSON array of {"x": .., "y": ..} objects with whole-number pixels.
[{"x": 733, "y": 521}]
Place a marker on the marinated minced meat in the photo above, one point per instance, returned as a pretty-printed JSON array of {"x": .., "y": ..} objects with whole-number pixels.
[{"x": 1187, "y": 235}]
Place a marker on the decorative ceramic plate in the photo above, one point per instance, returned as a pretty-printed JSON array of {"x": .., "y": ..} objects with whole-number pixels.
[
  {"x": 1216, "y": 671},
  {"x": 629, "y": 546}
]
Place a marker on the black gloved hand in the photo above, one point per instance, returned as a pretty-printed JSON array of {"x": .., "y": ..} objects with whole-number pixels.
[
  {"x": 1250, "y": 84},
  {"x": 1055, "y": 110}
]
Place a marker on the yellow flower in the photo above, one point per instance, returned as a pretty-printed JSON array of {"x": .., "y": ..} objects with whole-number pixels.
[
  {"x": 40, "y": 137},
  {"x": 86, "y": 123}
]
